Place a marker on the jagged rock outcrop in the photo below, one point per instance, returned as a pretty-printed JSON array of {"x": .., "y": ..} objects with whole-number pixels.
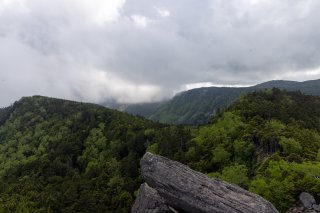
[{"x": 189, "y": 191}]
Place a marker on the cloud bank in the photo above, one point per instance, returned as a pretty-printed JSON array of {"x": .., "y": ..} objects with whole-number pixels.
[{"x": 144, "y": 50}]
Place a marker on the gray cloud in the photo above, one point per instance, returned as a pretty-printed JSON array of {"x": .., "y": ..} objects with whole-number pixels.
[{"x": 144, "y": 50}]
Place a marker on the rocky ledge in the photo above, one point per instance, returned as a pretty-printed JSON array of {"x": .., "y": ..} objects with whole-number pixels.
[{"x": 173, "y": 187}]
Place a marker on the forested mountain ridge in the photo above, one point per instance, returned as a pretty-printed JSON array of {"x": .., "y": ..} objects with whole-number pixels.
[
  {"x": 311, "y": 87},
  {"x": 64, "y": 156},
  {"x": 196, "y": 106}
]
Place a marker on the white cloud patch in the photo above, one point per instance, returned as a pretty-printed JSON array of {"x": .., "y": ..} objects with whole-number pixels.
[
  {"x": 140, "y": 21},
  {"x": 294, "y": 75},
  {"x": 163, "y": 12},
  {"x": 108, "y": 86}
]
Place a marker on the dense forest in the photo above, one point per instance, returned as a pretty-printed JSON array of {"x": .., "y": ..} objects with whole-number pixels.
[{"x": 64, "y": 156}]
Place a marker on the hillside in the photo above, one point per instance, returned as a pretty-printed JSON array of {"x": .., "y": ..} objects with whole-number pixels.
[
  {"x": 64, "y": 156},
  {"x": 196, "y": 106},
  {"x": 267, "y": 142}
]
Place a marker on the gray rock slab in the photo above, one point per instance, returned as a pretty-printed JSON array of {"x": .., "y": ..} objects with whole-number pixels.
[{"x": 189, "y": 191}]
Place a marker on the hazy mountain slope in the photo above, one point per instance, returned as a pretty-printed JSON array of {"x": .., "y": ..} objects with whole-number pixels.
[
  {"x": 198, "y": 105},
  {"x": 195, "y": 106},
  {"x": 142, "y": 109},
  {"x": 4, "y": 114}
]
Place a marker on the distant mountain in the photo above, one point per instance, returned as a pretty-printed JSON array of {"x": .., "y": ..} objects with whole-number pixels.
[
  {"x": 142, "y": 109},
  {"x": 196, "y": 106},
  {"x": 309, "y": 87}
]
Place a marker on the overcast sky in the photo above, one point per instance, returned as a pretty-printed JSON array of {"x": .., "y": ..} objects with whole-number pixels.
[{"x": 145, "y": 50}]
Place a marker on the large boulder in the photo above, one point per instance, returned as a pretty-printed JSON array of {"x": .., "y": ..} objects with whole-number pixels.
[
  {"x": 149, "y": 201},
  {"x": 189, "y": 191},
  {"x": 307, "y": 200}
]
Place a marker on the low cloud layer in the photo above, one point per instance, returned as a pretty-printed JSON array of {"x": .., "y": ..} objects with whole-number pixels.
[{"x": 144, "y": 50}]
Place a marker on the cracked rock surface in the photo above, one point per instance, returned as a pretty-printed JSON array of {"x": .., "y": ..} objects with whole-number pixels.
[
  {"x": 149, "y": 201},
  {"x": 185, "y": 190}
]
